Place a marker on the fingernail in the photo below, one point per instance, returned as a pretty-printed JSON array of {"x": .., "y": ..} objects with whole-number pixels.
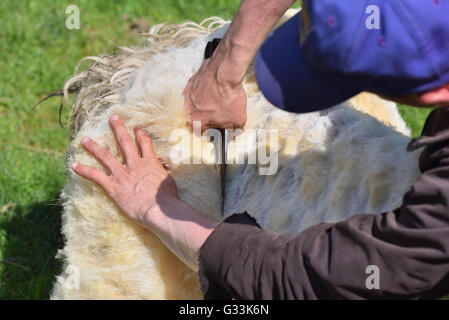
[
  {"x": 114, "y": 117},
  {"x": 74, "y": 165},
  {"x": 85, "y": 140}
]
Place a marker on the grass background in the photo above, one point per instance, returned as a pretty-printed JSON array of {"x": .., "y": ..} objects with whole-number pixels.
[{"x": 37, "y": 54}]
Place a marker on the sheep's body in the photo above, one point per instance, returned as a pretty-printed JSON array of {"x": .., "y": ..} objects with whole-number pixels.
[{"x": 332, "y": 165}]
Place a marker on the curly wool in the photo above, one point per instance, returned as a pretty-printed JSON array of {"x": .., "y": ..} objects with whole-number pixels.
[{"x": 346, "y": 160}]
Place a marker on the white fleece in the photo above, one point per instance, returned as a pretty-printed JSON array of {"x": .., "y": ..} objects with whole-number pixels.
[{"x": 332, "y": 164}]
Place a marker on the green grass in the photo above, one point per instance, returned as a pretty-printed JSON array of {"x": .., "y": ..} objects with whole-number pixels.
[
  {"x": 37, "y": 54},
  {"x": 414, "y": 118}
]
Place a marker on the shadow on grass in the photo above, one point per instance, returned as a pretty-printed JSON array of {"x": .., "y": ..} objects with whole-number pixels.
[{"x": 33, "y": 237}]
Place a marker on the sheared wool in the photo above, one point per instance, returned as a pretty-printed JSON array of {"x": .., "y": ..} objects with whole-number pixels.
[{"x": 333, "y": 164}]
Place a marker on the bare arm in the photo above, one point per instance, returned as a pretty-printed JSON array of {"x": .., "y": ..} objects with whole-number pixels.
[
  {"x": 249, "y": 28},
  {"x": 214, "y": 95}
]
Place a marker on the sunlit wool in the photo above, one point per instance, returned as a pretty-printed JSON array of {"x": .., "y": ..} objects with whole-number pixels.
[{"x": 332, "y": 164}]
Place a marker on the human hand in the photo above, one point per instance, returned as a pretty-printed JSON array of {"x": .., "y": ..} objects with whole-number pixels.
[
  {"x": 144, "y": 191},
  {"x": 216, "y": 103},
  {"x": 139, "y": 186}
]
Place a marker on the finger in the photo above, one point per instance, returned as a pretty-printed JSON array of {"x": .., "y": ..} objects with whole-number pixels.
[
  {"x": 147, "y": 149},
  {"x": 124, "y": 140},
  {"x": 145, "y": 144},
  {"x": 95, "y": 175},
  {"x": 102, "y": 155}
]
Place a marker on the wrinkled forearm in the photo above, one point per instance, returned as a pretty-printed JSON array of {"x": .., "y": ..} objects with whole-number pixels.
[
  {"x": 250, "y": 26},
  {"x": 182, "y": 229}
]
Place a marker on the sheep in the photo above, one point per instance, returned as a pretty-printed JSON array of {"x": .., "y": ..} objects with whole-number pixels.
[{"x": 332, "y": 164}]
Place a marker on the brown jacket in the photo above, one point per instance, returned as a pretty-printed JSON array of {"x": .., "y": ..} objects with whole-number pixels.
[{"x": 409, "y": 245}]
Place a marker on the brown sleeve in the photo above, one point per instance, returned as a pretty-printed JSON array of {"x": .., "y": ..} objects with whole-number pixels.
[{"x": 410, "y": 245}]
